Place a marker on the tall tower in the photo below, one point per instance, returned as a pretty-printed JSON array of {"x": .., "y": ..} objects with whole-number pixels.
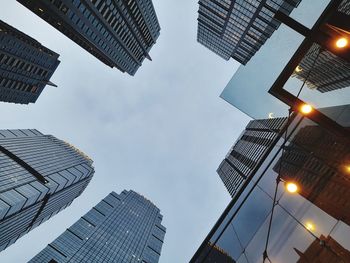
[
  {"x": 118, "y": 33},
  {"x": 248, "y": 151},
  {"x": 39, "y": 176},
  {"x": 26, "y": 66},
  {"x": 238, "y": 29},
  {"x": 121, "y": 228}
]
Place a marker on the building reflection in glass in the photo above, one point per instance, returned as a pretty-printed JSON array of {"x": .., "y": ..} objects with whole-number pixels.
[
  {"x": 316, "y": 161},
  {"x": 319, "y": 252}
]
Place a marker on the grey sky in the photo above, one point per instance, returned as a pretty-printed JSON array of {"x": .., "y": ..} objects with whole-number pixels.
[{"x": 161, "y": 133}]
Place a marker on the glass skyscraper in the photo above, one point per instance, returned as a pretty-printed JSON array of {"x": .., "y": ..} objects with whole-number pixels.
[
  {"x": 39, "y": 176},
  {"x": 237, "y": 29},
  {"x": 121, "y": 228},
  {"x": 118, "y": 33},
  {"x": 26, "y": 66},
  {"x": 249, "y": 151},
  {"x": 295, "y": 205}
]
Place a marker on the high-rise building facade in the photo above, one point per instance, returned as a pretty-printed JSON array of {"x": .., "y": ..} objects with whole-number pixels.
[
  {"x": 295, "y": 206},
  {"x": 249, "y": 150},
  {"x": 238, "y": 29},
  {"x": 121, "y": 228},
  {"x": 39, "y": 176},
  {"x": 26, "y": 66},
  {"x": 118, "y": 33}
]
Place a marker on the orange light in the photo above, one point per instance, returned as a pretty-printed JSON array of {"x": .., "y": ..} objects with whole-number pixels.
[
  {"x": 291, "y": 187},
  {"x": 306, "y": 108},
  {"x": 310, "y": 226},
  {"x": 347, "y": 168},
  {"x": 341, "y": 42}
]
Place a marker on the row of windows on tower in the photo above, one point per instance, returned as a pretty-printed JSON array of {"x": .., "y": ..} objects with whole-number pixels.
[
  {"x": 16, "y": 43},
  {"x": 115, "y": 20},
  {"x": 100, "y": 36},
  {"x": 119, "y": 27},
  {"x": 18, "y": 85},
  {"x": 22, "y": 65},
  {"x": 141, "y": 23},
  {"x": 21, "y": 49}
]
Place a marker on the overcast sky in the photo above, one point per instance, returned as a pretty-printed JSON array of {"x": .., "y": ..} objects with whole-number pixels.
[{"x": 161, "y": 133}]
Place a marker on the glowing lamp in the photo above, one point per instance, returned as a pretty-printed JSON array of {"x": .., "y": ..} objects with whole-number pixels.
[
  {"x": 310, "y": 226},
  {"x": 341, "y": 42},
  {"x": 298, "y": 69},
  {"x": 291, "y": 187},
  {"x": 306, "y": 108}
]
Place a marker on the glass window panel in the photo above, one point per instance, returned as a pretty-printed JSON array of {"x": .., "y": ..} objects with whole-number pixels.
[
  {"x": 243, "y": 91},
  {"x": 252, "y": 215}
]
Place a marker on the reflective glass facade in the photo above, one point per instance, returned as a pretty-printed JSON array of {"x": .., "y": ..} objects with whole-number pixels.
[
  {"x": 118, "y": 33},
  {"x": 238, "y": 28},
  {"x": 309, "y": 225},
  {"x": 121, "y": 228},
  {"x": 39, "y": 176},
  {"x": 295, "y": 207},
  {"x": 243, "y": 90},
  {"x": 249, "y": 150},
  {"x": 25, "y": 66}
]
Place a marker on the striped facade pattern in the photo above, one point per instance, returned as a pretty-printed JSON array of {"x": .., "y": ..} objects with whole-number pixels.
[
  {"x": 248, "y": 151},
  {"x": 238, "y": 28},
  {"x": 323, "y": 71},
  {"x": 39, "y": 176},
  {"x": 25, "y": 66},
  {"x": 120, "y": 33},
  {"x": 121, "y": 228}
]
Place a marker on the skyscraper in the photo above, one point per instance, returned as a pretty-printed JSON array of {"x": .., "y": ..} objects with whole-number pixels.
[
  {"x": 121, "y": 228},
  {"x": 248, "y": 152},
  {"x": 296, "y": 206},
  {"x": 26, "y": 66},
  {"x": 118, "y": 33},
  {"x": 39, "y": 176},
  {"x": 238, "y": 29}
]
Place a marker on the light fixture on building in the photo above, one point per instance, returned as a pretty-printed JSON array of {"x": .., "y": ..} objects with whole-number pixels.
[
  {"x": 347, "y": 168},
  {"x": 298, "y": 69},
  {"x": 291, "y": 187},
  {"x": 310, "y": 226},
  {"x": 306, "y": 108},
  {"x": 341, "y": 42}
]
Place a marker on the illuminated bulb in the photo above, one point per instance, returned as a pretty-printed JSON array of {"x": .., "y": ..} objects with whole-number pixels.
[
  {"x": 347, "y": 168},
  {"x": 291, "y": 187},
  {"x": 341, "y": 42},
  {"x": 306, "y": 108},
  {"x": 310, "y": 226},
  {"x": 298, "y": 69}
]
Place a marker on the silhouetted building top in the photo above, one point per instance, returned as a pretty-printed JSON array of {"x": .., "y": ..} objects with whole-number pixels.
[
  {"x": 325, "y": 250},
  {"x": 323, "y": 71},
  {"x": 118, "y": 33},
  {"x": 26, "y": 66},
  {"x": 39, "y": 176},
  {"x": 121, "y": 228},
  {"x": 248, "y": 151},
  {"x": 238, "y": 29},
  {"x": 216, "y": 255}
]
